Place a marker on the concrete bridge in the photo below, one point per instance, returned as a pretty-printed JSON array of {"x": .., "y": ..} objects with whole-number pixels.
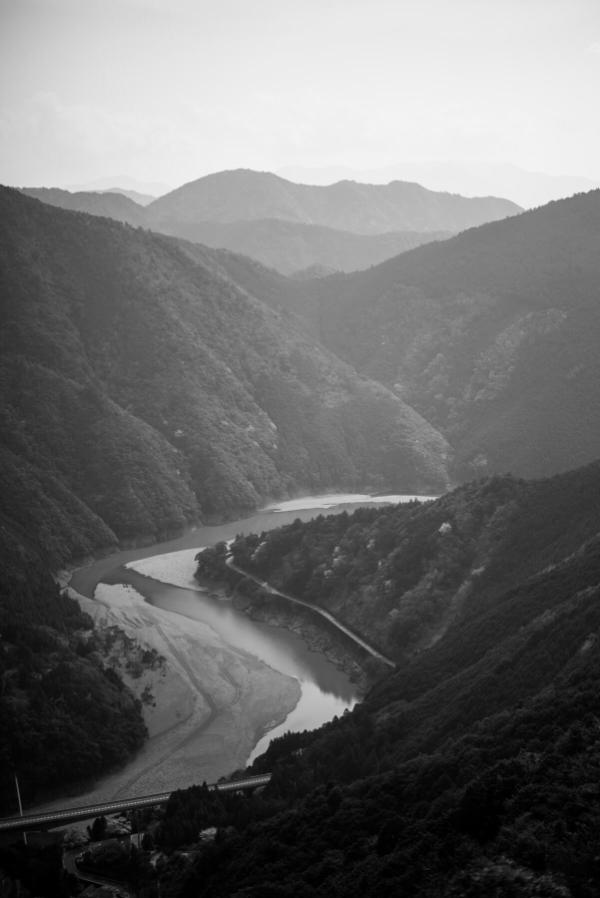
[{"x": 70, "y": 815}]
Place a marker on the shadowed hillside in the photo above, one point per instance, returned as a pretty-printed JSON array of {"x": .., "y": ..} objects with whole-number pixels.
[
  {"x": 151, "y": 387},
  {"x": 491, "y": 335}
]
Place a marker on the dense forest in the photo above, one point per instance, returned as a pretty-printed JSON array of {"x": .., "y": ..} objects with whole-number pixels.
[
  {"x": 472, "y": 769},
  {"x": 490, "y": 335},
  {"x": 405, "y": 575},
  {"x": 146, "y": 382},
  {"x": 153, "y": 387}
]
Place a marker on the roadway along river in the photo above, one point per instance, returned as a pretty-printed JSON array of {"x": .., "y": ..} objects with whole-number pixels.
[{"x": 326, "y": 691}]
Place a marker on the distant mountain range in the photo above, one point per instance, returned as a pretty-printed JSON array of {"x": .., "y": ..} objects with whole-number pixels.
[
  {"x": 142, "y": 199},
  {"x": 244, "y": 195},
  {"x": 121, "y": 184},
  {"x": 527, "y": 188},
  {"x": 108, "y": 205},
  {"x": 292, "y": 247},
  {"x": 291, "y": 227}
]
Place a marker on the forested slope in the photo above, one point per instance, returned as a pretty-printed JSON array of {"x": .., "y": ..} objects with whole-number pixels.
[
  {"x": 472, "y": 769},
  {"x": 491, "y": 335},
  {"x": 154, "y": 388},
  {"x": 141, "y": 388}
]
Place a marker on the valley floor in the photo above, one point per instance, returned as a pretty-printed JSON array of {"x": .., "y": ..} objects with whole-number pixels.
[{"x": 206, "y": 704}]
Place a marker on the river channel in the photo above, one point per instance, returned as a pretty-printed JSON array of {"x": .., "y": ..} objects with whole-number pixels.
[{"x": 326, "y": 690}]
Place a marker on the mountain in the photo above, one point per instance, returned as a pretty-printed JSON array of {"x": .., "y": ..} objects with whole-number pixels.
[
  {"x": 109, "y": 205},
  {"x": 245, "y": 195},
  {"x": 143, "y": 385},
  {"x": 292, "y": 227},
  {"x": 287, "y": 246},
  {"x": 472, "y": 768},
  {"x": 492, "y": 336},
  {"x": 411, "y": 577},
  {"x": 291, "y": 247},
  {"x": 151, "y": 385},
  {"x": 123, "y": 184},
  {"x": 527, "y": 188},
  {"x": 142, "y": 199}
]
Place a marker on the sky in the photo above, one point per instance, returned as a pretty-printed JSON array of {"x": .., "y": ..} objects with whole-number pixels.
[{"x": 166, "y": 91}]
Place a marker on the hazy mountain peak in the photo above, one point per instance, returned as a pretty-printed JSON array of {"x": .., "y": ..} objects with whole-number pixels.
[{"x": 246, "y": 195}]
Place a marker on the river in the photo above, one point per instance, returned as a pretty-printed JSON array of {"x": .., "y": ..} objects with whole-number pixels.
[{"x": 325, "y": 690}]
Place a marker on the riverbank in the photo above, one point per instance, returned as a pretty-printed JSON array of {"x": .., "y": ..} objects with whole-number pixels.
[
  {"x": 190, "y": 738},
  {"x": 178, "y": 569},
  {"x": 205, "y": 707}
]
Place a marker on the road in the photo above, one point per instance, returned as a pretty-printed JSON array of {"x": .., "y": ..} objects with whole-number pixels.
[
  {"x": 71, "y": 866},
  {"x": 375, "y": 653}
]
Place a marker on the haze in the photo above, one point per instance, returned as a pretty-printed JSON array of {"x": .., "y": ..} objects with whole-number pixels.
[{"x": 164, "y": 91}]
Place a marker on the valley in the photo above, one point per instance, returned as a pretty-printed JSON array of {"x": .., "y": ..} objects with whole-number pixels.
[
  {"x": 300, "y": 449},
  {"x": 150, "y": 386}
]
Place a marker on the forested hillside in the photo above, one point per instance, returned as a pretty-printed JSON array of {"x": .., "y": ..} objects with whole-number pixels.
[
  {"x": 472, "y": 769},
  {"x": 408, "y": 575},
  {"x": 152, "y": 388},
  {"x": 141, "y": 388},
  {"x": 491, "y": 335}
]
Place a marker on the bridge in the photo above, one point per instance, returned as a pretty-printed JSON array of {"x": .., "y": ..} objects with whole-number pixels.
[{"x": 70, "y": 815}]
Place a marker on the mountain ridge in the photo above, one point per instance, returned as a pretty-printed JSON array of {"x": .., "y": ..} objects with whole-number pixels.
[{"x": 346, "y": 205}]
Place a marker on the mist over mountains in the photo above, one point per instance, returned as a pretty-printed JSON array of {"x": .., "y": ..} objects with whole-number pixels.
[
  {"x": 490, "y": 335},
  {"x": 527, "y": 188},
  {"x": 362, "y": 208},
  {"x": 292, "y": 227}
]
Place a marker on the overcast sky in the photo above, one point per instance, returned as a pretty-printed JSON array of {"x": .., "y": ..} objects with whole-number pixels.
[{"x": 169, "y": 90}]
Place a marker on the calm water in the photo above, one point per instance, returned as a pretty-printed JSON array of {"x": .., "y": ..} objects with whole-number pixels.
[{"x": 326, "y": 691}]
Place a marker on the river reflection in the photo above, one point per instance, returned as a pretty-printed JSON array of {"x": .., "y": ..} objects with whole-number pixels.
[
  {"x": 326, "y": 691},
  {"x": 279, "y": 648}
]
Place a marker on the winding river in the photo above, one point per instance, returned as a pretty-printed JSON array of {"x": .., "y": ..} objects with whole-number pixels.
[{"x": 326, "y": 691}]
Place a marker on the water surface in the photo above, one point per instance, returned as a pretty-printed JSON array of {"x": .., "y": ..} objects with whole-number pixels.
[{"x": 326, "y": 691}]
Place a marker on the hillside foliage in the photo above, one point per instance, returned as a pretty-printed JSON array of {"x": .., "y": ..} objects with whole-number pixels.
[
  {"x": 491, "y": 335},
  {"x": 471, "y": 769}
]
